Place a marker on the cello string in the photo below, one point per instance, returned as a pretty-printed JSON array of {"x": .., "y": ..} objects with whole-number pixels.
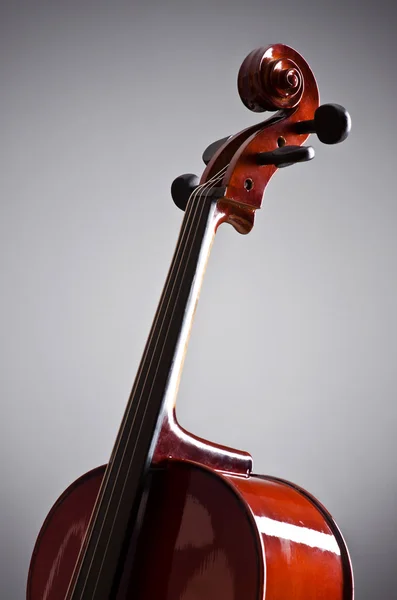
[
  {"x": 125, "y": 419},
  {"x": 189, "y": 248},
  {"x": 131, "y": 404},
  {"x": 173, "y": 276},
  {"x": 192, "y": 207},
  {"x": 177, "y": 264}
]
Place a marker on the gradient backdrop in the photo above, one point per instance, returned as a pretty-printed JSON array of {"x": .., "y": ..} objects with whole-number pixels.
[{"x": 293, "y": 353}]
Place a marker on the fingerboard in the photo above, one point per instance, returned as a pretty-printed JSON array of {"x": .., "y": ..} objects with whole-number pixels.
[{"x": 99, "y": 566}]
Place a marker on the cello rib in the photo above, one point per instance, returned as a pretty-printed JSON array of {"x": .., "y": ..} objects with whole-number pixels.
[{"x": 215, "y": 534}]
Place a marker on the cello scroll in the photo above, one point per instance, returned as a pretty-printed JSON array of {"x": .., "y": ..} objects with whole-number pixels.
[
  {"x": 174, "y": 516},
  {"x": 272, "y": 78}
]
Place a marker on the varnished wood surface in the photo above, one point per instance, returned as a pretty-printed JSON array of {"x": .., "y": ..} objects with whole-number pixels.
[
  {"x": 155, "y": 386},
  {"x": 61, "y": 538},
  {"x": 176, "y": 442},
  {"x": 305, "y": 556},
  {"x": 199, "y": 525},
  {"x": 205, "y": 535},
  {"x": 271, "y": 78}
]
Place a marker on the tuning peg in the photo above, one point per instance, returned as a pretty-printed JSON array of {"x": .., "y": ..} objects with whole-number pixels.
[
  {"x": 182, "y": 187},
  {"x": 286, "y": 156},
  {"x": 212, "y": 148},
  {"x": 331, "y": 123}
]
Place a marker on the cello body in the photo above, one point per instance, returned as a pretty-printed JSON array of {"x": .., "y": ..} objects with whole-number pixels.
[
  {"x": 173, "y": 516},
  {"x": 213, "y": 536}
]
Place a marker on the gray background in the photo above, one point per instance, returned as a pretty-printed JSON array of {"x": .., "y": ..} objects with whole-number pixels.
[{"x": 293, "y": 353}]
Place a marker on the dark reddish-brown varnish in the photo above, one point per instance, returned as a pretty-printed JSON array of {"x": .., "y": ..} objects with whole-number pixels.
[
  {"x": 212, "y": 530},
  {"x": 271, "y": 78},
  {"x": 209, "y": 533},
  {"x": 61, "y": 537}
]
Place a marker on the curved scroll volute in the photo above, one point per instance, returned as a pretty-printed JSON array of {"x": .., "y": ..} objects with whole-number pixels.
[
  {"x": 270, "y": 79},
  {"x": 274, "y": 78}
]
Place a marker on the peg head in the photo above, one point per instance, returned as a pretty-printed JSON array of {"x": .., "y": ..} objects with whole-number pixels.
[
  {"x": 182, "y": 188},
  {"x": 331, "y": 123},
  {"x": 286, "y": 156},
  {"x": 273, "y": 78}
]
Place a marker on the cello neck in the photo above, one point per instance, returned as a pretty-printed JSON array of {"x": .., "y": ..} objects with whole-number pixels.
[{"x": 98, "y": 569}]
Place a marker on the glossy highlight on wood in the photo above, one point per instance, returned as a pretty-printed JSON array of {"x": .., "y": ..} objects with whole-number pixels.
[
  {"x": 61, "y": 538},
  {"x": 271, "y": 78},
  {"x": 174, "y": 516},
  {"x": 230, "y": 537}
]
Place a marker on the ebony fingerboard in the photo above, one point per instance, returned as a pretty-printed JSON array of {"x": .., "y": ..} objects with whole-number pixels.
[{"x": 102, "y": 557}]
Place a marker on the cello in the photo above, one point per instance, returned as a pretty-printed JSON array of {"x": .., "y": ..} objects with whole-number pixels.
[{"x": 173, "y": 516}]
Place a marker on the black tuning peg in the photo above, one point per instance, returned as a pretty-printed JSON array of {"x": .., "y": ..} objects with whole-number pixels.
[
  {"x": 286, "y": 156},
  {"x": 331, "y": 123},
  {"x": 182, "y": 187},
  {"x": 212, "y": 148}
]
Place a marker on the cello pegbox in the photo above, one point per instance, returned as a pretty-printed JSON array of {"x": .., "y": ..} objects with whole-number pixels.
[{"x": 273, "y": 78}]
